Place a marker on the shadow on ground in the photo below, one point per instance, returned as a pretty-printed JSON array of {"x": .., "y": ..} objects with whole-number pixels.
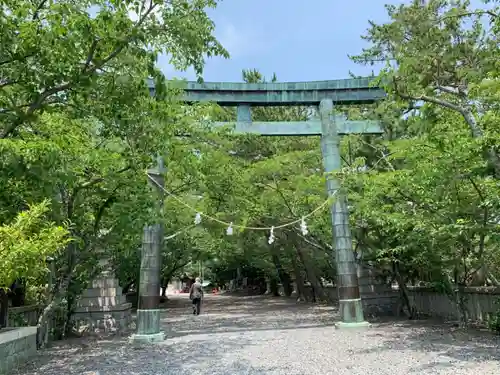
[
  {"x": 194, "y": 344},
  {"x": 117, "y": 356},
  {"x": 235, "y": 314},
  {"x": 214, "y": 342},
  {"x": 455, "y": 344}
]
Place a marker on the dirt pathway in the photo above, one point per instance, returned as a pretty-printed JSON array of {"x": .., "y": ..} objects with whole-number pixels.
[{"x": 259, "y": 335}]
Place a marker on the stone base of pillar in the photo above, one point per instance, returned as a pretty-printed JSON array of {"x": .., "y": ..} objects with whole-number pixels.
[
  {"x": 351, "y": 312},
  {"x": 354, "y": 325},
  {"x": 234, "y": 285},
  {"x": 102, "y": 307},
  {"x": 148, "y": 321},
  {"x": 152, "y": 338}
]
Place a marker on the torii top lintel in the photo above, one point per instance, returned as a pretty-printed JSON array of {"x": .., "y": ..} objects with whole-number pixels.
[
  {"x": 341, "y": 91},
  {"x": 245, "y": 95}
]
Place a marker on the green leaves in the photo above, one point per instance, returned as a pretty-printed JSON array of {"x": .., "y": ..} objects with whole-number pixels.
[
  {"x": 433, "y": 210},
  {"x": 436, "y": 53},
  {"x": 78, "y": 127},
  {"x": 27, "y": 242},
  {"x": 429, "y": 201},
  {"x": 60, "y": 53}
]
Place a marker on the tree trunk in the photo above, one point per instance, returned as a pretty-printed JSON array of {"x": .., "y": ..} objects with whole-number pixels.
[
  {"x": 299, "y": 280},
  {"x": 4, "y": 309},
  {"x": 268, "y": 286},
  {"x": 127, "y": 287},
  {"x": 46, "y": 317},
  {"x": 17, "y": 293},
  {"x": 286, "y": 281},
  {"x": 318, "y": 290},
  {"x": 274, "y": 287},
  {"x": 403, "y": 292},
  {"x": 164, "y": 289},
  {"x": 461, "y": 300},
  {"x": 283, "y": 276}
]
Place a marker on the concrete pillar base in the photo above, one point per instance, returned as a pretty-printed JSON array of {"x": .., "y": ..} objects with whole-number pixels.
[
  {"x": 351, "y": 310},
  {"x": 152, "y": 338},
  {"x": 148, "y": 321},
  {"x": 352, "y": 325}
]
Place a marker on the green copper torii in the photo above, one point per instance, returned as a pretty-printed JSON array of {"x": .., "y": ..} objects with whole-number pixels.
[{"x": 322, "y": 94}]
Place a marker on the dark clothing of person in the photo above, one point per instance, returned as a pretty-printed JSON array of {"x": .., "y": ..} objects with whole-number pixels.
[
  {"x": 196, "y": 306},
  {"x": 195, "y": 294}
]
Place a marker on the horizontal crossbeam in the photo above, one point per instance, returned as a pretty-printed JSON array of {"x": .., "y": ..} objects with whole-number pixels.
[
  {"x": 341, "y": 91},
  {"x": 301, "y": 128}
]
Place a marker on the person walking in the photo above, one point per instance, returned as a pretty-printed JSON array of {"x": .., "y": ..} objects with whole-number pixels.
[{"x": 195, "y": 295}]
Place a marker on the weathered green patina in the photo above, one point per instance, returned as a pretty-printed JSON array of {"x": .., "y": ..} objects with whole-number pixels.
[
  {"x": 341, "y": 91},
  {"x": 350, "y": 305},
  {"x": 148, "y": 309},
  {"x": 301, "y": 128},
  {"x": 323, "y": 95}
]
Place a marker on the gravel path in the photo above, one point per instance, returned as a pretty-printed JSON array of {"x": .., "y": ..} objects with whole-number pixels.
[{"x": 258, "y": 335}]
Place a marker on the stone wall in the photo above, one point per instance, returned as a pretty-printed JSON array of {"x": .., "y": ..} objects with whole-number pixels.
[
  {"x": 480, "y": 303},
  {"x": 377, "y": 297},
  {"x": 375, "y": 303},
  {"x": 16, "y": 346},
  {"x": 102, "y": 307}
]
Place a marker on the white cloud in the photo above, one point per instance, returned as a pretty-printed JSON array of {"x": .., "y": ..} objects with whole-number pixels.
[{"x": 241, "y": 41}]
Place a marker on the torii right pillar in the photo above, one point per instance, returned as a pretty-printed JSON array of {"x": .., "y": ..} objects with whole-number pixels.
[{"x": 350, "y": 304}]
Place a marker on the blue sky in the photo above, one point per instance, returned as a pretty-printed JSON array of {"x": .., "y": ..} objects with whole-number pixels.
[{"x": 299, "y": 40}]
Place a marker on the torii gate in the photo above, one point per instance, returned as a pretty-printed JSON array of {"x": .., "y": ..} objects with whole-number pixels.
[{"x": 317, "y": 93}]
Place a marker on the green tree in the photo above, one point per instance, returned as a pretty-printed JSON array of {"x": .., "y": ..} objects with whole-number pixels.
[
  {"x": 25, "y": 247},
  {"x": 78, "y": 124},
  {"x": 427, "y": 209},
  {"x": 433, "y": 56},
  {"x": 27, "y": 243},
  {"x": 62, "y": 53}
]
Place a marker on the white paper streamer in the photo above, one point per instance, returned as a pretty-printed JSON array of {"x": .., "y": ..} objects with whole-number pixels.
[
  {"x": 271, "y": 236},
  {"x": 303, "y": 227},
  {"x": 197, "y": 219}
]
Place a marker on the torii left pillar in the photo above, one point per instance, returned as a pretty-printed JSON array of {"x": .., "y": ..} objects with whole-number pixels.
[{"x": 148, "y": 311}]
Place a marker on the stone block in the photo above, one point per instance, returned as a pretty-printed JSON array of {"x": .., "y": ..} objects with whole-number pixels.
[
  {"x": 95, "y": 309},
  {"x": 102, "y": 292},
  {"x": 147, "y": 338},
  {"x": 381, "y": 304},
  {"x": 102, "y": 306},
  {"x": 107, "y": 318},
  {"x": 16, "y": 346},
  {"x": 105, "y": 282},
  {"x": 100, "y": 301}
]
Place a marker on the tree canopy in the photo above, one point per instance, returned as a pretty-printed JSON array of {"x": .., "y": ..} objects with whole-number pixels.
[{"x": 79, "y": 128}]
